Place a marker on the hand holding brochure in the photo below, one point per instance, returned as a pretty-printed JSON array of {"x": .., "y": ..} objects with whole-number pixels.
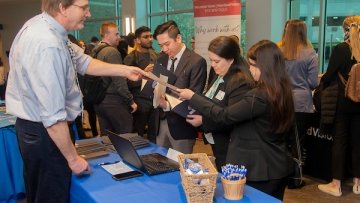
[
  {"x": 153, "y": 78},
  {"x": 158, "y": 79},
  {"x": 159, "y": 91},
  {"x": 180, "y": 107}
]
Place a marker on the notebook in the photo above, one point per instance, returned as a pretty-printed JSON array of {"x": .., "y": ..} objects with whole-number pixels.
[{"x": 150, "y": 164}]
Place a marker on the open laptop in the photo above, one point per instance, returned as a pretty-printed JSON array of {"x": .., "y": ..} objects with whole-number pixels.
[
  {"x": 136, "y": 140},
  {"x": 150, "y": 164}
]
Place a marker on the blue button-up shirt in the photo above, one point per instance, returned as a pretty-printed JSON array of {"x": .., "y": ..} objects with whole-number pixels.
[{"x": 42, "y": 85}]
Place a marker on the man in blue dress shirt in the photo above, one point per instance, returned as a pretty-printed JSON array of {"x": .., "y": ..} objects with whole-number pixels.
[{"x": 44, "y": 95}]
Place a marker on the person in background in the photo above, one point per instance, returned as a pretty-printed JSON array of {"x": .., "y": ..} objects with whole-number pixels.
[
  {"x": 143, "y": 57},
  {"x": 93, "y": 43},
  {"x": 280, "y": 42},
  {"x": 130, "y": 39},
  {"x": 262, "y": 120},
  {"x": 89, "y": 107},
  {"x": 44, "y": 95},
  {"x": 346, "y": 127},
  {"x": 82, "y": 44},
  {"x": 115, "y": 111},
  {"x": 227, "y": 88},
  {"x": 123, "y": 47},
  {"x": 190, "y": 71},
  {"x": 79, "y": 118},
  {"x": 2, "y": 80},
  {"x": 302, "y": 66}
]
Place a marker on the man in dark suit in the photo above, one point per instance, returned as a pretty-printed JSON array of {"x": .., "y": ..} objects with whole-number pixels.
[{"x": 190, "y": 71}]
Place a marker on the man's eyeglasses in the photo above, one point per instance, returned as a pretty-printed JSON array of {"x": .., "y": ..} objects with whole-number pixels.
[{"x": 85, "y": 8}]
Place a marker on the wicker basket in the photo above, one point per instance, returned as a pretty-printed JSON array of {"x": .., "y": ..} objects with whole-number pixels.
[{"x": 196, "y": 193}]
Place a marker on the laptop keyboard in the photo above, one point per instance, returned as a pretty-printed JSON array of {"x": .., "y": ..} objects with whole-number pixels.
[{"x": 157, "y": 166}]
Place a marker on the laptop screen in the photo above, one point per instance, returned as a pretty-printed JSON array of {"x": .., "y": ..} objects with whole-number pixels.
[{"x": 127, "y": 152}]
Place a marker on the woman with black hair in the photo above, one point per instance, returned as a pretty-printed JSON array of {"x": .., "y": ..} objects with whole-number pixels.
[
  {"x": 262, "y": 120},
  {"x": 228, "y": 86}
]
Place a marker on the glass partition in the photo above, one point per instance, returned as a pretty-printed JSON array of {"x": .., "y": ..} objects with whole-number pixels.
[
  {"x": 101, "y": 11},
  {"x": 324, "y": 21}
]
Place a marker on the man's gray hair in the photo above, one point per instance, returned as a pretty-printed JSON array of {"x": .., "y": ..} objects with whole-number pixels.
[{"x": 52, "y": 6}]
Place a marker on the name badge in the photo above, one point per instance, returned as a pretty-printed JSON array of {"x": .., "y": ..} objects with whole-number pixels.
[{"x": 220, "y": 95}]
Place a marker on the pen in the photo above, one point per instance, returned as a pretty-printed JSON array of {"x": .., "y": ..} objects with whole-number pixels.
[{"x": 107, "y": 163}]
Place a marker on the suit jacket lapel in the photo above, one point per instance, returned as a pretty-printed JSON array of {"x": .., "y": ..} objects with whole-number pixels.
[{"x": 185, "y": 58}]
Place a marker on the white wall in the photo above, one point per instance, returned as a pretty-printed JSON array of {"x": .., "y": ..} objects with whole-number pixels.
[
  {"x": 264, "y": 20},
  {"x": 13, "y": 15}
]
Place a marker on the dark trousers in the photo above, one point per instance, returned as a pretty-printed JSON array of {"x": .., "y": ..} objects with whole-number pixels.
[
  {"x": 144, "y": 116},
  {"x": 275, "y": 188},
  {"x": 79, "y": 127},
  {"x": 46, "y": 172},
  {"x": 303, "y": 122},
  {"x": 347, "y": 130},
  {"x": 114, "y": 115},
  {"x": 220, "y": 149},
  {"x": 89, "y": 107}
]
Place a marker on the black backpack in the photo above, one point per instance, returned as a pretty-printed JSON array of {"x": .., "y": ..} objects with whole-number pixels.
[{"x": 94, "y": 87}]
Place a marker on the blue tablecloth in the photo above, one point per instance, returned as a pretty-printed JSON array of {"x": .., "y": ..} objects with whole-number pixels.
[
  {"x": 100, "y": 187},
  {"x": 11, "y": 167}
]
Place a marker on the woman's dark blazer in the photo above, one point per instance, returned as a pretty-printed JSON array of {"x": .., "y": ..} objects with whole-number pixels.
[
  {"x": 234, "y": 88},
  {"x": 252, "y": 142}
]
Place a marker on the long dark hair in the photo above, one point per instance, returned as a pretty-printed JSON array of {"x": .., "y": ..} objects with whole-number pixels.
[
  {"x": 274, "y": 80},
  {"x": 229, "y": 49}
]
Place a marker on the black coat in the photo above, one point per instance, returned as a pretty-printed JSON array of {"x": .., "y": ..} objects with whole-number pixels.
[
  {"x": 252, "y": 142},
  {"x": 341, "y": 62}
]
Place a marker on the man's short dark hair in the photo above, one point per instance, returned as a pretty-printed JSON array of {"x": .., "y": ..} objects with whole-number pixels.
[
  {"x": 94, "y": 39},
  {"x": 170, "y": 27},
  {"x": 141, "y": 30}
]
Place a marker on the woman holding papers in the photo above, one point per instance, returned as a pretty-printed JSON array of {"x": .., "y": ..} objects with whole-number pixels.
[
  {"x": 262, "y": 120},
  {"x": 227, "y": 87}
]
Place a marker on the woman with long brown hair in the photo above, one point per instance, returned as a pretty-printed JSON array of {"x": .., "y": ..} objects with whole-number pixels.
[
  {"x": 262, "y": 120},
  {"x": 301, "y": 63}
]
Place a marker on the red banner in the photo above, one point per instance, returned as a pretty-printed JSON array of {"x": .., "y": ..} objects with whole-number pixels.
[{"x": 216, "y": 8}]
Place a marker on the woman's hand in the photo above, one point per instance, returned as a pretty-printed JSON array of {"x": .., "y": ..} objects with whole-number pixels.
[
  {"x": 185, "y": 94},
  {"x": 194, "y": 120}
]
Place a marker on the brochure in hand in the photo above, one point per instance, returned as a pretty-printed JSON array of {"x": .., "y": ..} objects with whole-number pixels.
[
  {"x": 154, "y": 78},
  {"x": 180, "y": 107}
]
